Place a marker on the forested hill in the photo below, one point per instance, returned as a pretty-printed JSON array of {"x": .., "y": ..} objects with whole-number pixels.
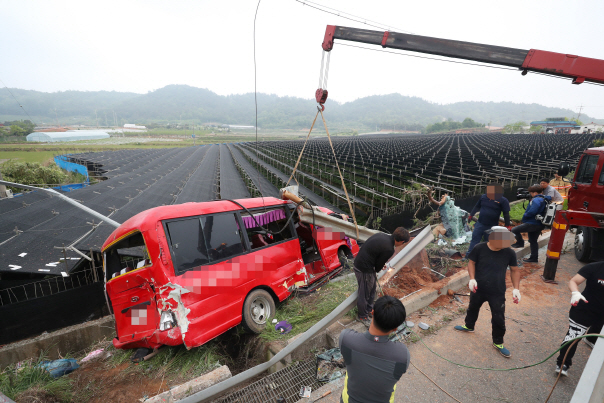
[{"x": 175, "y": 103}]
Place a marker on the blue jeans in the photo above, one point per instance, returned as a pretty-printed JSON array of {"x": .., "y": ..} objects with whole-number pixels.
[{"x": 477, "y": 235}]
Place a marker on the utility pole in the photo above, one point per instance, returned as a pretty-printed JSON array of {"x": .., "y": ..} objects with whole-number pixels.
[{"x": 579, "y": 114}]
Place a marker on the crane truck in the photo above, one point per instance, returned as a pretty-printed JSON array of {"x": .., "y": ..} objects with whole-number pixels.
[{"x": 585, "y": 199}]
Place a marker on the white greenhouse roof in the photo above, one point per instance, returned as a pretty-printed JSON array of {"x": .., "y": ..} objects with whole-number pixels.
[{"x": 71, "y": 135}]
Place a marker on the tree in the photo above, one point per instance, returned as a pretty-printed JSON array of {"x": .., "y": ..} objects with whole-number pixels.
[
  {"x": 517, "y": 127},
  {"x": 537, "y": 129},
  {"x": 16, "y": 131}
]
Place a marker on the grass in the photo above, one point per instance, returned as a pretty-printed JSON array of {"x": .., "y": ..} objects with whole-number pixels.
[
  {"x": 172, "y": 364},
  {"x": 517, "y": 210},
  {"x": 29, "y": 379},
  {"x": 302, "y": 314},
  {"x": 28, "y": 156}
]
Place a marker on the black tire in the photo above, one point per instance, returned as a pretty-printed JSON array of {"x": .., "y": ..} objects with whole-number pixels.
[
  {"x": 342, "y": 257},
  {"x": 583, "y": 244},
  {"x": 258, "y": 310}
]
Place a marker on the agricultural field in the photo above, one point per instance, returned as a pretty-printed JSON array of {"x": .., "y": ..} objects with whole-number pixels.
[{"x": 386, "y": 173}]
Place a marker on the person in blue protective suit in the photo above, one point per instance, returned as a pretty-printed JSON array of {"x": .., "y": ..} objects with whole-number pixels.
[
  {"x": 490, "y": 206},
  {"x": 530, "y": 224}
]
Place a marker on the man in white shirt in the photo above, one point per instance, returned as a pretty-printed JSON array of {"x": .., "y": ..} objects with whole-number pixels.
[{"x": 551, "y": 192}]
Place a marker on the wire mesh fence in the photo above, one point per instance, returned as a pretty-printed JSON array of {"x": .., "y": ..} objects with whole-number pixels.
[
  {"x": 50, "y": 286},
  {"x": 285, "y": 383}
]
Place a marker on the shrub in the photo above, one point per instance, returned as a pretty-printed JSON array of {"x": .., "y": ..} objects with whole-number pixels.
[{"x": 31, "y": 173}]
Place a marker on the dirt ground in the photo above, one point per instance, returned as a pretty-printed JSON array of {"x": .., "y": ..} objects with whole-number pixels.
[{"x": 119, "y": 384}]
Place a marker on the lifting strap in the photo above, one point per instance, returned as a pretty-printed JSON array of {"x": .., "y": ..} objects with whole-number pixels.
[
  {"x": 341, "y": 177},
  {"x": 302, "y": 152}
]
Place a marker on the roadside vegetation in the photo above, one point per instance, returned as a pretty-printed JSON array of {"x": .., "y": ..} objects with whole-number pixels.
[
  {"x": 303, "y": 311},
  {"x": 27, "y": 382}
]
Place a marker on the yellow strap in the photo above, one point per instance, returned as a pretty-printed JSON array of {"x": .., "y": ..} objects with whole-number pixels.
[
  {"x": 302, "y": 151},
  {"x": 341, "y": 177}
]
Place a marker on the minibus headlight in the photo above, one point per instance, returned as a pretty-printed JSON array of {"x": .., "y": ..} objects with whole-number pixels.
[{"x": 167, "y": 320}]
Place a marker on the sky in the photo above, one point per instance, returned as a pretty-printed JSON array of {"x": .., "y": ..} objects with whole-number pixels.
[{"x": 141, "y": 46}]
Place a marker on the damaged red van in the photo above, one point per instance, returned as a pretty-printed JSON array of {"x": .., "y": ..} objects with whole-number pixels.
[{"x": 187, "y": 273}]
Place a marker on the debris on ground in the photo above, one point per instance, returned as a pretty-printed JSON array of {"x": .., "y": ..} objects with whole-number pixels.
[
  {"x": 58, "y": 368},
  {"x": 93, "y": 354},
  {"x": 330, "y": 365}
]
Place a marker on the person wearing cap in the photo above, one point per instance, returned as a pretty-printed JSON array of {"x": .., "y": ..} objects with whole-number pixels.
[
  {"x": 487, "y": 267},
  {"x": 586, "y": 313},
  {"x": 562, "y": 186},
  {"x": 374, "y": 363},
  {"x": 549, "y": 190},
  {"x": 490, "y": 206},
  {"x": 372, "y": 257}
]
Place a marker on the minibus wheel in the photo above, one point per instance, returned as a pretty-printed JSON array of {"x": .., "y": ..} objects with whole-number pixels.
[{"x": 258, "y": 309}]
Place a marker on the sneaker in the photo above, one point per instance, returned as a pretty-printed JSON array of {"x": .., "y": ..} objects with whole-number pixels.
[
  {"x": 517, "y": 245},
  {"x": 366, "y": 321},
  {"x": 463, "y": 328},
  {"x": 530, "y": 260},
  {"x": 504, "y": 351},
  {"x": 589, "y": 343},
  {"x": 563, "y": 370}
]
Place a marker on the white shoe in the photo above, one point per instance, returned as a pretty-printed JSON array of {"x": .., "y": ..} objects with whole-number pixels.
[{"x": 564, "y": 369}]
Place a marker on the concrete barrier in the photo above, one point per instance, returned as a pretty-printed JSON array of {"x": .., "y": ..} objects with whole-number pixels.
[
  {"x": 72, "y": 339},
  {"x": 193, "y": 386}
]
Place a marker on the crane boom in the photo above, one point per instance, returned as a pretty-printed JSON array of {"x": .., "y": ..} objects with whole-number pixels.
[{"x": 578, "y": 68}]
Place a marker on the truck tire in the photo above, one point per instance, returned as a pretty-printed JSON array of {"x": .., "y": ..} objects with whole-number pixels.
[
  {"x": 258, "y": 309},
  {"x": 582, "y": 244}
]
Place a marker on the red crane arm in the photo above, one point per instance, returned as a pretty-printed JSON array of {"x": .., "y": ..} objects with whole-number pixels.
[{"x": 579, "y": 68}]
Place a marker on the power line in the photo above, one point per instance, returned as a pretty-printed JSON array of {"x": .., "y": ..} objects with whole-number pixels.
[
  {"x": 18, "y": 103},
  {"x": 356, "y": 18}
]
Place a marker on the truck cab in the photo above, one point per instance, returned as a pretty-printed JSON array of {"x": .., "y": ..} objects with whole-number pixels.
[
  {"x": 184, "y": 274},
  {"x": 587, "y": 195}
]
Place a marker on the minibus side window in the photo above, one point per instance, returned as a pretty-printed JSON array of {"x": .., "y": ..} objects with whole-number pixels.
[
  {"x": 203, "y": 240},
  {"x": 272, "y": 219},
  {"x": 222, "y": 235},
  {"x": 187, "y": 244}
]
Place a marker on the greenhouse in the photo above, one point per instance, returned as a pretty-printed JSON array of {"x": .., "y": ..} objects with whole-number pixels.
[{"x": 71, "y": 135}]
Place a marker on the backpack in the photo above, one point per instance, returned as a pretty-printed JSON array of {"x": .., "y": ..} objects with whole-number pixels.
[{"x": 548, "y": 213}]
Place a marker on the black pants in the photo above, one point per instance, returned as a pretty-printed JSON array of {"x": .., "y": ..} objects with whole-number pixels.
[
  {"x": 533, "y": 231},
  {"x": 366, "y": 296},
  {"x": 497, "y": 305},
  {"x": 580, "y": 319}
]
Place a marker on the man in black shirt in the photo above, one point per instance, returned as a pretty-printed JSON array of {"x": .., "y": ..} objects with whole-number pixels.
[
  {"x": 587, "y": 309},
  {"x": 487, "y": 267},
  {"x": 372, "y": 257},
  {"x": 374, "y": 363}
]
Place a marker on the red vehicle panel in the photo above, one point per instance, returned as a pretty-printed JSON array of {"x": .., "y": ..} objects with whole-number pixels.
[
  {"x": 588, "y": 183},
  {"x": 188, "y": 273}
]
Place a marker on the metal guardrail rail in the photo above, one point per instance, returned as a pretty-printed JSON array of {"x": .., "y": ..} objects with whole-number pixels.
[
  {"x": 590, "y": 388},
  {"x": 397, "y": 262}
]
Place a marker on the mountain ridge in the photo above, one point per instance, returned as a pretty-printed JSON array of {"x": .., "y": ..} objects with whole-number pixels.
[{"x": 183, "y": 103}]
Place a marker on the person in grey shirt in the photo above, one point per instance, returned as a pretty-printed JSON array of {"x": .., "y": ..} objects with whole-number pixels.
[
  {"x": 551, "y": 192},
  {"x": 374, "y": 363}
]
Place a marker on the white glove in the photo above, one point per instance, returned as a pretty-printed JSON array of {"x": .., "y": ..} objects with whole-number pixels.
[
  {"x": 516, "y": 295},
  {"x": 576, "y": 297},
  {"x": 473, "y": 285}
]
